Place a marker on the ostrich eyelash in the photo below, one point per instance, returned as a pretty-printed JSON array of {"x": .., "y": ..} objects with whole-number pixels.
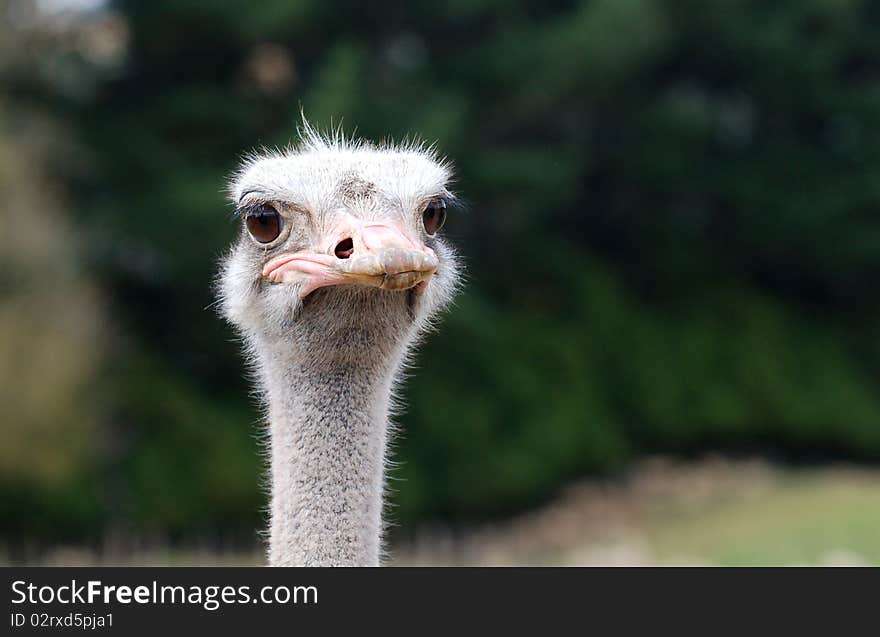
[
  {"x": 454, "y": 203},
  {"x": 242, "y": 210}
]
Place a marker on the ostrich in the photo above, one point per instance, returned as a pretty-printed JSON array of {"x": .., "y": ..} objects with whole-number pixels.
[{"x": 338, "y": 270}]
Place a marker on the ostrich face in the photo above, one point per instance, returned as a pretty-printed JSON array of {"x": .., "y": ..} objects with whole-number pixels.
[{"x": 338, "y": 237}]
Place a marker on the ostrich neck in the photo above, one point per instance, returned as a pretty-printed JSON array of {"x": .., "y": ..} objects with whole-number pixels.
[{"x": 328, "y": 429}]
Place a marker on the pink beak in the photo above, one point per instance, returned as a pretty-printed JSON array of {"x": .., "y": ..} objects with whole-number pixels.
[{"x": 374, "y": 254}]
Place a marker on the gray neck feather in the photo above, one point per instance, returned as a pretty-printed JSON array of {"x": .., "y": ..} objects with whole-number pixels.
[{"x": 328, "y": 429}]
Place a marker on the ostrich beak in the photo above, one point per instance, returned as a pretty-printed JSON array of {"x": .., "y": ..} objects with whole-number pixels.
[{"x": 375, "y": 255}]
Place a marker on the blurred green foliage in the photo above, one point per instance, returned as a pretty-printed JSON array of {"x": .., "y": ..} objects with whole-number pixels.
[{"x": 672, "y": 237}]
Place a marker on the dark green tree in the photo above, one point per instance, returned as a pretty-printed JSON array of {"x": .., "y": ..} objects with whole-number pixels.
[{"x": 671, "y": 232}]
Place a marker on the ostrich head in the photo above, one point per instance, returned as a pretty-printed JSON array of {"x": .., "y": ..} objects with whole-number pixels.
[
  {"x": 340, "y": 253},
  {"x": 339, "y": 266}
]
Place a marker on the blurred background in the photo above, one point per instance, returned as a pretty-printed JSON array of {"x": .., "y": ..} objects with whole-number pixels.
[{"x": 668, "y": 350}]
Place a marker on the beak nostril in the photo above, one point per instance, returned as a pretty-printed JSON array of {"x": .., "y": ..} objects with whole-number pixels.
[{"x": 344, "y": 248}]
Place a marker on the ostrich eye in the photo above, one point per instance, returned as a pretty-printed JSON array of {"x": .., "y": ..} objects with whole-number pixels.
[
  {"x": 263, "y": 222},
  {"x": 434, "y": 216}
]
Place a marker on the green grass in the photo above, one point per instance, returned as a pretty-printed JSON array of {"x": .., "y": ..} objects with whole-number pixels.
[
  {"x": 711, "y": 512},
  {"x": 804, "y": 517}
]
